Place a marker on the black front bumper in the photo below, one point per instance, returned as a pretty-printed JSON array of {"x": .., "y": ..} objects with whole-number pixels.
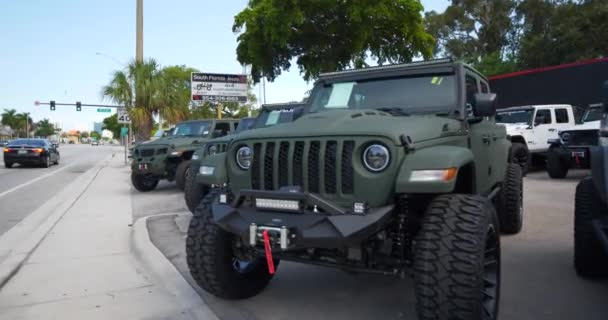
[
  {"x": 330, "y": 227},
  {"x": 574, "y": 156}
]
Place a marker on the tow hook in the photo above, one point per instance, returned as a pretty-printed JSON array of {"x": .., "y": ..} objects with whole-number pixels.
[{"x": 256, "y": 234}]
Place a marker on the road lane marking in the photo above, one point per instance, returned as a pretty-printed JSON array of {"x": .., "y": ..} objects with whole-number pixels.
[{"x": 34, "y": 180}]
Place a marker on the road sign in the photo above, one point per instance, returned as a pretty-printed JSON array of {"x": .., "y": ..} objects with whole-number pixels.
[
  {"x": 124, "y": 131},
  {"x": 104, "y": 110},
  {"x": 36, "y": 103},
  {"x": 123, "y": 116},
  {"x": 216, "y": 87}
]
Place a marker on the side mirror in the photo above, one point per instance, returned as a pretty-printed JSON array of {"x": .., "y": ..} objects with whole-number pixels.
[
  {"x": 55, "y": 145},
  {"x": 485, "y": 105}
]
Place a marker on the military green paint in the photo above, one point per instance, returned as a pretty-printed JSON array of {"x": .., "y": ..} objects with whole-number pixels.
[{"x": 219, "y": 176}]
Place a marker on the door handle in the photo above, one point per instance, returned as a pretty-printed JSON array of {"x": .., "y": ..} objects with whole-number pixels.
[
  {"x": 552, "y": 130},
  {"x": 494, "y": 137},
  {"x": 485, "y": 138}
]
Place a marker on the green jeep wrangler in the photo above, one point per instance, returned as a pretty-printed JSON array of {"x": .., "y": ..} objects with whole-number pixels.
[
  {"x": 270, "y": 114},
  {"x": 394, "y": 170},
  {"x": 169, "y": 157}
]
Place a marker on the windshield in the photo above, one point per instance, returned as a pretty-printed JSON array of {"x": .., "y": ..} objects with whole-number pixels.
[
  {"x": 593, "y": 114},
  {"x": 29, "y": 142},
  {"x": 515, "y": 116},
  {"x": 192, "y": 129},
  {"x": 271, "y": 118},
  {"x": 428, "y": 93},
  {"x": 245, "y": 124}
]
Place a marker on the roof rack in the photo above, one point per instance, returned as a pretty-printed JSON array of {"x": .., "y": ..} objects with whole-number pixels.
[{"x": 390, "y": 67}]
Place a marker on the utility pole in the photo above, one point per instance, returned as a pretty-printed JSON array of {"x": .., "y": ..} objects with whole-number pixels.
[
  {"x": 27, "y": 118},
  {"x": 139, "y": 48}
]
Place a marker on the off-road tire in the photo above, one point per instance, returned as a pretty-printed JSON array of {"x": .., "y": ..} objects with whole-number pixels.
[
  {"x": 450, "y": 259},
  {"x": 193, "y": 192},
  {"x": 180, "y": 174},
  {"x": 143, "y": 183},
  {"x": 590, "y": 260},
  {"x": 209, "y": 253},
  {"x": 521, "y": 155},
  {"x": 47, "y": 162},
  {"x": 8, "y": 165},
  {"x": 509, "y": 204},
  {"x": 557, "y": 168}
]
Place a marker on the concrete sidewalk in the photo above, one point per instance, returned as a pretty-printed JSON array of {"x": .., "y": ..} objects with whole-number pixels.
[{"x": 84, "y": 268}]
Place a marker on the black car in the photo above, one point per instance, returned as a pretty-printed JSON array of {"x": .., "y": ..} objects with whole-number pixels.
[{"x": 31, "y": 151}]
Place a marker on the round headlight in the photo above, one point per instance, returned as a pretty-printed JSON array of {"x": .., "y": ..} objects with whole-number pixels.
[
  {"x": 376, "y": 157},
  {"x": 243, "y": 157},
  {"x": 212, "y": 149}
]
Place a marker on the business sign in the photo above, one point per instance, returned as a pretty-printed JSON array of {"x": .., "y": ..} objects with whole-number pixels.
[
  {"x": 215, "y": 87},
  {"x": 122, "y": 116}
]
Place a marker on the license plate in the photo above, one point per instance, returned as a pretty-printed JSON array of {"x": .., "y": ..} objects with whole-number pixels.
[
  {"x": 143, "y": 166},
  {"x": 579, "y": 154},
  {"x": 22, "y": 151}
]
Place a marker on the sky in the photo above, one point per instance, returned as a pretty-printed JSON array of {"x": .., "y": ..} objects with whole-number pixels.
[{"x": 66, "y": 50}]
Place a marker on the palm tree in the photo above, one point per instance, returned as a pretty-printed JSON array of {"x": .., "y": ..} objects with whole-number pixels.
[
  {"x": 20, "y": 124},
  {"x": 45, "y": 128},
  {"x": 9, "y": 118},
  {"x": 156, "y": 91}
]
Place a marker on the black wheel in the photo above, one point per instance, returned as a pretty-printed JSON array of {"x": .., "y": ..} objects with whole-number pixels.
[
  {"x": 557, "y": 168},
  {"x": 212, "y": 260},
  {"x": 8, "y": 165},
  {"x": 510, "y": 204},
  {"x": 143, "y": 183},
  {"x": 193, "y": 192},
  {"x": 47, "y": 162},
  {"x": 180, "y": 174},
  {"x": 457, "y": 260},
  {"x": 521, "y": 156},
  {"x": 590, "y": 260}
]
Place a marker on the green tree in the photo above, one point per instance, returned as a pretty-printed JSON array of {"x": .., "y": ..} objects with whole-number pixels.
[
  {"x": 21, "y": 120},
  {"x": 176, "y": 94},
  {"x": 95, "y": 135},
  {"x": 111, "y": 123},
  {"x": 328, "y": 35},
  {"x": 84, "y": 134},
  {"x": 44, "y": 128},
  {"x": 9, "y": 118},
  {"x": 472, "y": 29},
  {"x": 557, "y": 32}
]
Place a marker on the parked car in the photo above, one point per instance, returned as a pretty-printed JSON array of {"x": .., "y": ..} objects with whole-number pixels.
[
  {"x": 571, "y": 149},
  {"x": 169, "y": 157},
  {"x": 31, "y": 151},
  {"x": 3, "y": 143},
  {"x": 94, "y": 143},
  {"x": 270, "y": 114},
  {"x": 385, "y": 173},
  {"x": 591, "y": 208},
  {"x": 530, "y": 127}
]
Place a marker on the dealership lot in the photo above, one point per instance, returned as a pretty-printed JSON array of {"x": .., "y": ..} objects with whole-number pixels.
[{"x": 538, "y": 278}]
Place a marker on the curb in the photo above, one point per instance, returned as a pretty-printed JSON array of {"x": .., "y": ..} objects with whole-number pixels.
[
  {"x": 18, "y": 243},
  {"x": 164, "y": 273}
]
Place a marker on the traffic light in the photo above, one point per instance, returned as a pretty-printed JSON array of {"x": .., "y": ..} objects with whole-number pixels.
[
  {"x": 78, "y": 106},
  {"x": 52, "y": 105}
]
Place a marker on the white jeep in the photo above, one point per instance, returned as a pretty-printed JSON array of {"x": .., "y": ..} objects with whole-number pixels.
[{"x": 531, "y": 127}]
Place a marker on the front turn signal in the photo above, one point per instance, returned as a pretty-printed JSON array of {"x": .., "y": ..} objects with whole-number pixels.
[{"x": 444, "y": 175}]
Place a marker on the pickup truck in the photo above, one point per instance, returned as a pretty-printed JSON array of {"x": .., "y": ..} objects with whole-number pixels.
[{"x": 531, "y": 127}]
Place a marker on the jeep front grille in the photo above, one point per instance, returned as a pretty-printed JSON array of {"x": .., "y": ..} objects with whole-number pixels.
[
  {"x": 317, "y": 166},
  {"x": 580, "y": 137},
  {"x": 146, "y": 152}
]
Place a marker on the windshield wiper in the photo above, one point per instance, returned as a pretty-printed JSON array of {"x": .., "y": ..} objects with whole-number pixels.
[{"x": 395, "y": 111}]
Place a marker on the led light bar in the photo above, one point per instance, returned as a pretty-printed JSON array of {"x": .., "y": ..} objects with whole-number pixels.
[{"x": 276, "y": 204}]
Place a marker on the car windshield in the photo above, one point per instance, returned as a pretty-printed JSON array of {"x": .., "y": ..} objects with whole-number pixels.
[
  {"x": 515, "y": 116},
  {"x": 428, "y": 93},
  {"x": 593, "y": 114},
  {"x": 29, "y": 142},
  {"x": 192, "y": 129},
  {"x": 245, "y": 124},
  {"x": 270, "y": 118}
]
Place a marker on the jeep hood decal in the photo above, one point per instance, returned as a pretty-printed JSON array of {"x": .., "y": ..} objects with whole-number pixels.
[{"x": 359, "y": 123}]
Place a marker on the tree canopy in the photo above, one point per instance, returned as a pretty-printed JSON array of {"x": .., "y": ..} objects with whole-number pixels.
[
  {"x": 44, "y": 128},
  {"x": 111, "y": 123},
  {"x": 328, "y": 35}
]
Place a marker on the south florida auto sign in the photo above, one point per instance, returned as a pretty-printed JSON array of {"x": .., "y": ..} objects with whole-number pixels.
[{"x": 216, "y": 87}]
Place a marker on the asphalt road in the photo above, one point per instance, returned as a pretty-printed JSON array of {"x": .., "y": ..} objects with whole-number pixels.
[
  {"x": 24, "y": 189},
  {"x": 538, "y": 279}
]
